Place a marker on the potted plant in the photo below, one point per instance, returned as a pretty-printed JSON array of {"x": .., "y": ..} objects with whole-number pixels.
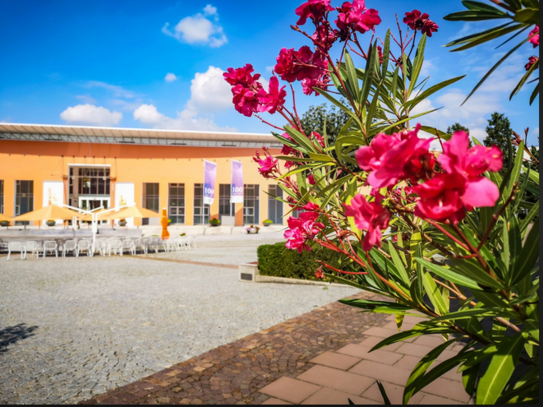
[
  {"x": 169, "y": 221},
  {"x": 252, "y": 229},
  {"x": 214, "y": 222},
  {"x": 267, "y": 222},
  {"x": 183, "y": 234},
  {"x": 122, "y": 222},
  {"x": 50, "y": 222}
]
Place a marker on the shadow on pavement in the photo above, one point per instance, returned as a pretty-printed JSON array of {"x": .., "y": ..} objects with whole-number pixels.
[{"x": 15, "y": 333}]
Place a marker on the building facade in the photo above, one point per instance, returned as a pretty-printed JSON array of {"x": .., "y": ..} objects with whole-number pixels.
[{"x": 89, "y": 167}]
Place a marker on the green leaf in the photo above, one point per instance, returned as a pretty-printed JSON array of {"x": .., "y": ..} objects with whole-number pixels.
[
  {"x": 341, "y": 106},
  {"x": 386, "y": 54},
  {"x": 527, "y": 16},
  {"x": 529, "y": 254},
  {"x": 524, "y": 79},
  {"x": 417, "y": 379},
  {"x": 478, "y": 312},
  {"x": 432, "y": 290},
  {"x": 417, "y": 65},
  {"x": 402, "y": 272},
  {"x": 368, "y": 75},
  {"x": 320, "y": 157},
  {"x": 399, "y": 321},
  {"x": 494, "y": 68},
  {"x": 477, "y": 35},
  {"x": 515, "y": 174},
  {"x": 429, "y": 92},
  {"x": 500, "y": 369},
  {"x": 488, "y": 37},
  {"x": 473, "y": 16},
  {"x": 490, "y": 299},
  {"x": 477, "y": 356},
  {"x": 386, "y": 401},
  {"x": 473, "y": 270},
  {"x": 351, "y": 74},
  {"x": 534, "y": 94},
  {"x": 450, "y": 275},
  {"x": 469, "y": 379},
  {"x": 300, "y": 139},
  {"x": 478, "y": 6},
  {"x": 529, "y": 217}
]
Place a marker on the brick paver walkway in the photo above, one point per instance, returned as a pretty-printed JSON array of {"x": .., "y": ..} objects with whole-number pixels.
[{"x": 317, "y": 358}]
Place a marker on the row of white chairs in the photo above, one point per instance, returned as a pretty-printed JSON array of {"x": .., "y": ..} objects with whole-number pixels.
[{"x": 104, "y": 247}]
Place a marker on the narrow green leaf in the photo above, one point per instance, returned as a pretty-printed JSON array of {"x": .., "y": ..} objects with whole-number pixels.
[
  {"x": 300, "y": 139},
  {"x": 368, "y": 75},
  {"x": 429, "y": 92},
  {"x": 534, "y": 93},
  {"x": 402, "y": 272},
  {"x": 432, "y": 290},
  {"x": 386, "y": 54},
  {"x": 489, "y": 37},
  {"x": 524, "y": 78},
  {"x": 386, "y": 400},
  {"x": 449, "y": 275},
  {"x": 469, "y": 379},
  {"x": 351, "y": 74},
  {"x": 500, "y": 369},
  {"x": 529, "y": 254}
]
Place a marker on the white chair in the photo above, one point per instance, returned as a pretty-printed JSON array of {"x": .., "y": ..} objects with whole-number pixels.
[
  {"x": 70, "y": 246},
  {"x": 154, "y": 243},
  {"x": 102, "y": 247},
  {"x": 50, "y": 246},
  {"x": 84, "y": 245},
  {"x": 192, "y": 242},
  {"x": 141, "y": 244},
  {"x": 16, "y": 247},
  {"x": 129, "y": 246},
  {"x": 185, "y": 242},
  {"x": 33, "y": 247},
  {"x": 172, "y": 244},
  {"x": 115, "y": 246}
]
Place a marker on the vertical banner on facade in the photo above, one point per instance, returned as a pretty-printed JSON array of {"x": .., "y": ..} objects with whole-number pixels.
[
  {"x": 236, "y": 195},
  {"x": 124, "y": 195},
  {"x": 210, "y": 172},
  {"x": 53, "y": 192}
]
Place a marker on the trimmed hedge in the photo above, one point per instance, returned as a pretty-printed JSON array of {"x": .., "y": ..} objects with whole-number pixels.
[{"x": 278, "y": 261}]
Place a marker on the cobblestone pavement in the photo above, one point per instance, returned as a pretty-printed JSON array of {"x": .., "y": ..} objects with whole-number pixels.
[
  {"x": 234, "y": 373},
  {"x": 76, "y": 327}
]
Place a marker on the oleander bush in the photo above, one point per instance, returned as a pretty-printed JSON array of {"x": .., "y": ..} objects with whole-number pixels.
[{"x": 440, "y": 234}]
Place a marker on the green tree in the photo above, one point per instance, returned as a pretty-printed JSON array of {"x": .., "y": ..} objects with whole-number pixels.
[
  {"x": 315, "y": 117},
  {"x": 458, "y": 127},
  {"x": 499, "y": 133}
]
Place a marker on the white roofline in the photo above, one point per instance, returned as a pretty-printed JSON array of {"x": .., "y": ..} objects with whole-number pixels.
[{"x": 65, "y": 126}]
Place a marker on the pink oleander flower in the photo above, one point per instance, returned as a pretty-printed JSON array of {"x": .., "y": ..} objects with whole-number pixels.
[
  {"x": 245, "y": 100},
  {"x": 291, "y": 201},
  {"x": 380, "y": 52},
  {"x": 357, "y": 17},
  {"x": 302, "y": 64},
  {"x": 369, "y": 216},
  {"x": 311, "y": 179},
  {"x": 420, "y": 22},
  {"x": 390, "y": 159},
  {"x": 441, "y": 198},
  {"x": 267, "y": 165},
  {"x": 470, "y": 163},
  {"x": 286, "y": 150},
  {"x": 289, "y": 164},
  {"x": 309, "y": 84},
  {"x": 301, "y": 230},
  {"x": 324, "y": 37},
  {"x": 533, "y": 59},
  {"x": 314, "y": 9},
  {"x": 241, "y": 76},
  {"x": 319, "y": 138},
  {"x": 535, "y": 39},
  {"x": 272, "y": 100},
  {"x": 319, "y": 273},
  {"x": 310, "y": 206}
]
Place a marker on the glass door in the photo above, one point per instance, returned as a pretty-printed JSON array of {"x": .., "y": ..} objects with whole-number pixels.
[{"x": 90, "y": 204}]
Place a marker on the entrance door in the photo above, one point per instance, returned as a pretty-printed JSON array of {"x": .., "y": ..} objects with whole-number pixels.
[{"x": 89, "y": 204}]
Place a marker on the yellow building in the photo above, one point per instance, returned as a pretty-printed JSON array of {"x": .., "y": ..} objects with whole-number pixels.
[{"x": 89, "y": 167}]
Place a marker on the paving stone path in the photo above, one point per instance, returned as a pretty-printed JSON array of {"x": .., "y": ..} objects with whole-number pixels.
[{"x": 317, "y": 358}]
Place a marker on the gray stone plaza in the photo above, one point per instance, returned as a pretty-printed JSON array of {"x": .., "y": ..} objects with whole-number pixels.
[{"x": 71, "y": 328}]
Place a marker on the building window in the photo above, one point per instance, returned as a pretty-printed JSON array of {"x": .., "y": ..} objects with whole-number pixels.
[
  {"x": 225, "y": 207},
  {"x": 176, "y": 203},
  {"x": 150, "y": 198},
  {"x": 1, "y": 196},
  {"x": 24, "y": 198},
  {"x": 250, "y": 204},
  {"x": 201, "y": 211},
  {"x": 275, "y": 207},
  {"x": 92, "y": 181}
]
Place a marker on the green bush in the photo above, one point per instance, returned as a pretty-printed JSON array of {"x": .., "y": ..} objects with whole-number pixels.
[{"x": 277, "y": 261}]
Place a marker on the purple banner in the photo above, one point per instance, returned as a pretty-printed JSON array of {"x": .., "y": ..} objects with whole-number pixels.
[
  {"x": 236, "y": 195},
  {"x": 210, "y": 171}
]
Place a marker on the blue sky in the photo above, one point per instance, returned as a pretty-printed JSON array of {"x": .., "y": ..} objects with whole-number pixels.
[{"x": 106, "y": 63}]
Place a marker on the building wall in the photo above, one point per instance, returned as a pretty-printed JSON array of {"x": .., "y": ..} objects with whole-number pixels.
[{"x": 49, "y": 161}]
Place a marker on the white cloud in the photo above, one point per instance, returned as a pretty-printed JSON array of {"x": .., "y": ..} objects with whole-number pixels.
[
  {"x": 210, "y": 90},
  {"x": 87, "y": 99},
  {"x": 117, "y": 91},
  {"x": 209, "y": 93},
  {"x": 198, "y": 29},
  {"x": 536, "y": 131},
  {"x": 90, "y": 114},
  {"x": 170, "y": 77},
  {"x": 187, "y": 119},
  {"x": 427, "y": 68}
]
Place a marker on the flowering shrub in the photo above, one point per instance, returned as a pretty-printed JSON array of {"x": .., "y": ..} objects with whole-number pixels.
[{"x": 436, "y": 233}]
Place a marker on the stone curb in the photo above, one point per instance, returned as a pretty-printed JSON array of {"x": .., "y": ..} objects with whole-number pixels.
[{"x": 249, "y": 273}]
